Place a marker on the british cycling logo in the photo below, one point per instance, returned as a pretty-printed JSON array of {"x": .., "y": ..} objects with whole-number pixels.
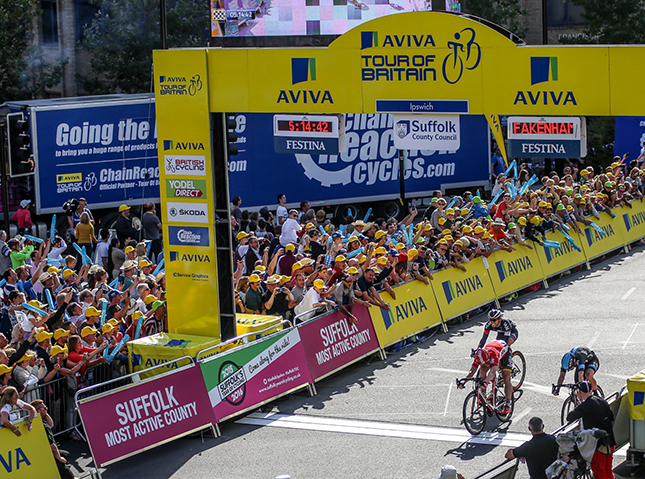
[
  {"x": 304, "y": 70},
  {"x": 593, "y": 235},
  {"x": 185, "y": 165},
  {"x": 465, "y": 54},
  {"x": 461, "y": 288},
  {"x": 179, "y": 85},
  {"x": 505, "y": 269},
  {"x": 633, "y": 220},
  {"x": 403, "y": 311}
]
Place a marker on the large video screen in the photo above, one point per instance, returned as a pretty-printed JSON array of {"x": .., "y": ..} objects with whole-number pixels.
[{"x": 260, "y": 18}]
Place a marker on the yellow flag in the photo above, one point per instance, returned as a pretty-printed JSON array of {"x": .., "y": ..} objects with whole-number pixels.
[{"x": 496, "y": 127}]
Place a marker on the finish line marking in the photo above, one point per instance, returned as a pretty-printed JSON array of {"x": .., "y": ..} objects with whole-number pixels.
[{"x": 373, "y": 428}]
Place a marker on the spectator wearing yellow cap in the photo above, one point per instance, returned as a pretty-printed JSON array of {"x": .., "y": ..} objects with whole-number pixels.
[
  {"x": 31, "y": 365},
  {"x": 277, "y": 298},
  {"x": 287, "y": 260},
  {"x": 344, "y": 295},
  {"x": 366, "y": 290},
  {"x": 88, "y": 336},
  {"x": 340, "y": 264},
  {"x": 92, "y": 317},
  {"x": 125, "y": 231},
  {"x": 145, "y": 270},
  {"x": 43, "y": 338},
  {"x": 314, "y": 298},
  {"x": 254, "y": 295},
  {"x": 61, "y": 336}
]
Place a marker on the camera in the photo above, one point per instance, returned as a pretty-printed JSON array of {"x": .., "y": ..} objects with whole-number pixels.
[{"x": 70, "y": 206}]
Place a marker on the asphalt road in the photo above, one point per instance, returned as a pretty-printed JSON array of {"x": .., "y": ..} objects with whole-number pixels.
[{"x": 402, "y": 417}]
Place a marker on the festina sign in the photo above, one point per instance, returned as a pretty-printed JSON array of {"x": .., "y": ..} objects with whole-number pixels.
[
  {"x": 306, "y": 145},
  {"x": 544, "y": 149}
]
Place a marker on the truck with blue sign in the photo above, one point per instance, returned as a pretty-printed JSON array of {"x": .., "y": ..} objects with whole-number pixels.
[
  {"x": 101, "y": 148},
  {"x": 104, "y": 149}
]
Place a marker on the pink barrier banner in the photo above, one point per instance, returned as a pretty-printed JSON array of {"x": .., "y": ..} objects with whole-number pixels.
[
  {"x": 251, "y": 375},
  {"x": 128, "y": 421},
  {"x": 331, "y": 342}
]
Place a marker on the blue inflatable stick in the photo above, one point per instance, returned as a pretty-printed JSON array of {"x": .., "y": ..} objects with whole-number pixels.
[
  {"x": 139, "y": 324},
  {"x": 50, "y": 300},
  {"x": 34, "y": 309},
  {"x": 118, "y": 348},
  {"x": 496, "y": 197},
  {"x": 33, "y": 238},
  {"x": 354, "y": 253},
  {"x": 148, "y": 247},
  {"x": 597, "y": 228},
  {"x": 573, "y": 243},
  {"x": 52, "y": 232},
  {"x": 367, "y": 215},
  {"x": 551, "y": 244},
  {"x": 103, "y": 312},
  {"x": 452, "y": 202},
  {"x": 510, "y": 167},
  {"x": 159, "y": 266}
]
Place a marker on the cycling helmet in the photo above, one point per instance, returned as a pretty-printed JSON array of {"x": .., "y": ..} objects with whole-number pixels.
[
  {"x": 494, "y": 314},
  {"x": 481, "y": 356},
  {"x": 568, "y": 361}
]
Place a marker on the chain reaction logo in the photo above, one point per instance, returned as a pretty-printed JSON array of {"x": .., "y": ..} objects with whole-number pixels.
[
  {"x": 552, "y": 253},
  {"x": 461, "y": 288},
  {"x": 633, "y": 220},
  {"x": 593, "y": 235},
  {"x": 511, "y": 268},
  {"x": 544, "y": 69},
  {"x": 403, "y": 311}
]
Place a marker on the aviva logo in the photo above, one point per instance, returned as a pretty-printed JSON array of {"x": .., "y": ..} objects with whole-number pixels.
[
  {"x": 192, "y": 258},
  {"x": 593, "y": 235},
  {"x": 303, "y": 69},
  {"x": 544, "y": 69},
  {"x": 369, "y": 40},
  {"x": 461, "y": 288},
  {"x": 633, "y": 220},
  {"x": 179, "y": 145},
  {"x": 510, "y": 268},
  {"x": 552, "y": 253},
  {"x": 403, "y": 311}
]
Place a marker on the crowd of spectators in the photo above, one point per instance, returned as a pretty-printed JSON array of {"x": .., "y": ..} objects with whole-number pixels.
[{"x": 298, "y": 260}]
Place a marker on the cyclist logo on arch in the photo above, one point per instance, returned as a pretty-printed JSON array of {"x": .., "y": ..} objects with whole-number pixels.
[
  {"x": 195, "y": 85},
  {"x": 466, "y": 53}
]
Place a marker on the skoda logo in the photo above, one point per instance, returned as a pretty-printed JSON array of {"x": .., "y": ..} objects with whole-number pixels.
[{"x": 173, "y": 212}]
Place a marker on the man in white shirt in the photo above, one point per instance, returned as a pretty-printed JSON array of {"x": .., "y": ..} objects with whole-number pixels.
[
  {"x": 290, "y": 229},
  {"x": 313, "y": 298},
  {"x": 281, "y": 212}
]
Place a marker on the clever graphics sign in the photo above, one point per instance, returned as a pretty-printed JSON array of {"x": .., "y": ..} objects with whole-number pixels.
[{"x": 128, "y": 421}]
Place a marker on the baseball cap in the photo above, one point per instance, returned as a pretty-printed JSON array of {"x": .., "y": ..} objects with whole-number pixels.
[
  {"x": 88, "y": 330},
  {"x": 59, "y": 333},
  {"x": 380, "y": 250},
  {"x": 4, "y": 369},
  {"x": 382, "y": 260},
  {"x": 115, "y": 322},
  {"x": 37, "y": 304},
  {"x": 144, "y": 263},
  {"x": 477, "y": 199},
  {"x": 156, "y": 305},
  {"x": 92, "y": 311},
  {"x": 113, "y": 294},
  {"x": 254, "y": 278},
  {"x": 379, "y": 234},
  {"x": 393, "y": 252},
  {"x": 43, "y": 335},
  {"x": 56, "y": 350},
  {"x": 68, "y": 272},
  {"x": 340, "y": 258},
  {"x": 107, "y": 328},
  {"x": 399, "y": 246},
  {"x": 319, "y": 283},
  {"x": 352, "y": 270},
  {"x": 290, "y": 248},
  {"x": 241, "y": 235},
  {"x": 479, "y": 229},
  {"x": 123, "y": 208},
  {"x": 128, "y": 249},
  {"x": 467, "y": 229}
]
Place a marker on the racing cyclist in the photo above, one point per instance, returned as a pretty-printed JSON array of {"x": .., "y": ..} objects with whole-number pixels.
[
  {"x": 507, "y": 332},
  {"x": 584, "y": 361},
  {"x": 487, "y": 359}
]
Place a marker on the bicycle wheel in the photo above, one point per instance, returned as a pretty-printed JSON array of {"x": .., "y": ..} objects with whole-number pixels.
[
  {"x": 474, "y": 414},
  {"x": 518, "y": 373},
  {"x": 568, "y": 406},
  {"x": 599, "y": 392},
  {"x": 500, "y": 398}
]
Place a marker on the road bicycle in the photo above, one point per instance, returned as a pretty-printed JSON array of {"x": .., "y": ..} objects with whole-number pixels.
[
  {"x": 479, "y": 404},
  {"x": 572, "y": 402},
  {"x": 518, "y": 371}
]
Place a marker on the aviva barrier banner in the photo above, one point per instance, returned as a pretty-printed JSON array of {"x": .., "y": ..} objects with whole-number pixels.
[
  {"x": 459, "y": 291},
  {"x": 596, "y": 243},
  {"x": 413, "y": 310},
  {"x": 557, "y": 260},
  {"x": 512, "y": 271},
  {"x": 633, "y": 220}
]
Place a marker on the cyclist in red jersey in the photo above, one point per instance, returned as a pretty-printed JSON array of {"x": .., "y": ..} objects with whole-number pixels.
[{"x": 487, "y": 360}]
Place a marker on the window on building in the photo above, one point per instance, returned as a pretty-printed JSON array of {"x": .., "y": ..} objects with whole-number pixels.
[
  {"x": 86, "y": 11},
  {"x": 563, "y": 13},
  {"x": 50, "y": 21}
]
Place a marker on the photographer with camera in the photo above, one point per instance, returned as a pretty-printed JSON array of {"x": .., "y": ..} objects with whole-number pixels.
[
  {"x": 74, "y": 208},
  {"x": 125, "y": 231}
]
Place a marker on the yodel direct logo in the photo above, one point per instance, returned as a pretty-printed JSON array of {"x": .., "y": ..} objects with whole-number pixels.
[
  {"x": 304, "y": 70},
  {"x": 186, "y": 189},
  {"x": 403, "y": 311},
  {"x": 461, "y": 288},
  {"x": 633, "y": 220},
  {"x": 511, "y": 268}
]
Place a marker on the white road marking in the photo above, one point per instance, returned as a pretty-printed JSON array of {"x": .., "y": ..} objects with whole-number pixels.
[
  {"x": 538, "y": 388},
  {"x": 456, "y": 371},
  {"x": 445, "y": 411},
  {"x": 630, "y": 336},
  {"x": 619, "y": 376},
  {"x": 594, "y": 339},
  {"x": 522, "y": 414},
  {"x": 627, "y": 294},
  {"x": 372, "y": 428}
]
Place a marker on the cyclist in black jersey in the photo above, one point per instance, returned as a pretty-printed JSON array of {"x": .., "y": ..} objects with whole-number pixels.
[
  {"x": 507, "y": 332},
  {"x": 584, "y": 361}
]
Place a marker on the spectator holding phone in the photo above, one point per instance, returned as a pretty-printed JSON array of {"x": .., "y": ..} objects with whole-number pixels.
[{"x": 276, "y": 299}]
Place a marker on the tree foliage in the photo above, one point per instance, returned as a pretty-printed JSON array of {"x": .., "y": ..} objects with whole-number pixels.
[
  {"x": 124, "y": 33},
  {"x": 24, "y": 72},
  {"x": 611, "y": 22},
  {"x": 505, "y": 13}
]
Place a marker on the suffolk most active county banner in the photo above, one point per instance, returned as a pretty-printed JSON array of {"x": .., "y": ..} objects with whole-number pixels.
[
  {"x": 130, "y": 420},
  {"x": 332, "y": 342},
  {"x": 250, "y": 375},
  {"x": 104, "y": 152},
  {"x": 367, "y": 169}
]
